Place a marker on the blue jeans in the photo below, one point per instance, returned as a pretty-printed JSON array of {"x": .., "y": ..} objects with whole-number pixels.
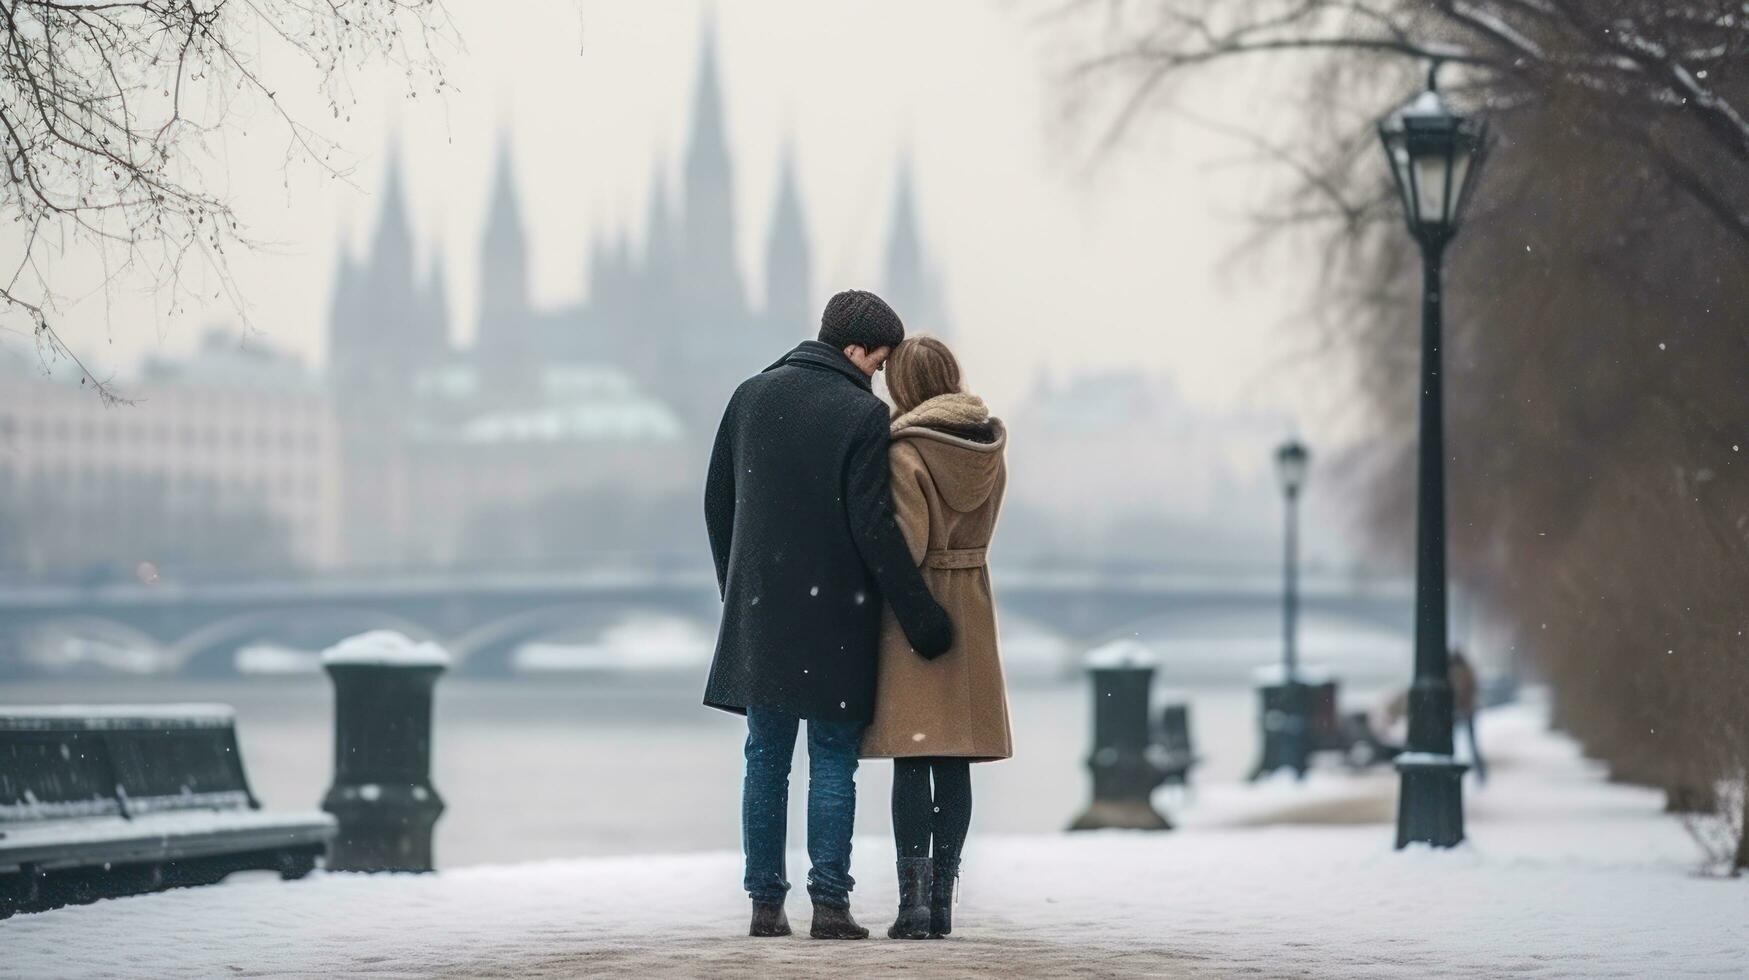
[{"x": 832, "y": 756}]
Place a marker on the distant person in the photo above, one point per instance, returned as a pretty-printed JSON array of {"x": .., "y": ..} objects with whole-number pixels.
[
  {"x": 800, "y": 517},
  {"x": 935, "y": 717},
  {"x": 1465, "y": 692}
]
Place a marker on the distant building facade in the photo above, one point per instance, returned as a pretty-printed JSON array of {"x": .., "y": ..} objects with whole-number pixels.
[
  {"x": 228, "y": 461},
  {"x": 1169, "y": 481}
]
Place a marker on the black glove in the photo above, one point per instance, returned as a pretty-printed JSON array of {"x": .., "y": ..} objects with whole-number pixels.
[{"x": 931, "y": 634}]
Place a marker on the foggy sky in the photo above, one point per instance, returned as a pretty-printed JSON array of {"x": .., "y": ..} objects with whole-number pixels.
[{"x": 1047, "y": 263}]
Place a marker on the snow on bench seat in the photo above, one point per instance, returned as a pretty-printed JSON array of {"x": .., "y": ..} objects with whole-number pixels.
[
  {"x": 93, "y": 841},
  {"x": 91, "y": 717}
]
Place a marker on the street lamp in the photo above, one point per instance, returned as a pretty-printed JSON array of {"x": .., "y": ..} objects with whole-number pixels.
[
  {"x": 1433, "y": 153},
  {"x": 1285, "y": 706},
  {"x": 1290, "y": 467}
]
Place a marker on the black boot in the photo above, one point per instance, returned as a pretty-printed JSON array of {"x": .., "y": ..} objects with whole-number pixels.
[
  {"x": 913, "y": 920},
  {"x": 831, "y": 923},
  {"x": 769, "y": 920},
  {"x": 941, "y": 894}
]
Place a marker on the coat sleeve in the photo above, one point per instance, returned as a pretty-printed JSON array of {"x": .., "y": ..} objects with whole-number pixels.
[
  {"x": 868, "y": 498},
  {"x": 910, "y": 500},
  {"x": 719, "y": 497}
]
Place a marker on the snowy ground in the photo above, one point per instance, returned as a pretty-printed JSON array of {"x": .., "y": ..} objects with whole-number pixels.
[{"x": 1565, "y": 876}]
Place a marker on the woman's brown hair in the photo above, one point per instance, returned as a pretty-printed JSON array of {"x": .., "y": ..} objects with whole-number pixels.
[{"x": 919, "y": 369}]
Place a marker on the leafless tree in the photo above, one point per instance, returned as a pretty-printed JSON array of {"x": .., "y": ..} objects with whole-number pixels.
[
  {"x": 1598, "y": 321},
  {"x": 106, "y": 108},
  {"x": 1665, "y": 77}
]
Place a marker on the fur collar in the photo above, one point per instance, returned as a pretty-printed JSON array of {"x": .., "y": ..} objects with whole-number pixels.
[{"x": 956, "y": 410}]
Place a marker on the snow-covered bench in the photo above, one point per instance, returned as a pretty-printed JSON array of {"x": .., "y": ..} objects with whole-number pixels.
[{"x": 97, "y": 802}]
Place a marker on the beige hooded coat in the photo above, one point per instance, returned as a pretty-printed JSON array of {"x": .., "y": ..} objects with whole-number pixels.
[{"x": 948, "y": 478}]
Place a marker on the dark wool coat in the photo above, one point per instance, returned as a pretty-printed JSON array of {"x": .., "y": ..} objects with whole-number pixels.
[{"x": 799, "y": 509}]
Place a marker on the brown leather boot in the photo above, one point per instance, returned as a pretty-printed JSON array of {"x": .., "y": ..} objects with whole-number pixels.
[
  {"x": 769, "y": 920},
  {"x": 831, "y": 923}
]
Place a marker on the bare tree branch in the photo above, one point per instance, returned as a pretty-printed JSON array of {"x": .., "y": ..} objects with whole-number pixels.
[{"x": 96, "y": 129}]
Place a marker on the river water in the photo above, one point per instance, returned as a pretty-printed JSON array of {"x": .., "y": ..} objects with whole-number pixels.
[{"x": 568, "y": 765}]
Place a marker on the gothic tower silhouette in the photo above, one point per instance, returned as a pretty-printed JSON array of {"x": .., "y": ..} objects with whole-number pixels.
[
  {"x": 383, "y": 325},
  {"x": 708, "y": 221},
  {"x": 503, "y": 336},
  {"x": 789, "y": 284},
  {"x": 910, "y": 283},
  {"x": 673, "y": 314}
]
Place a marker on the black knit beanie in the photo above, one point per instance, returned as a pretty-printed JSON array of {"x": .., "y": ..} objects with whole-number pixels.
[{"x": 862, "y": 318}]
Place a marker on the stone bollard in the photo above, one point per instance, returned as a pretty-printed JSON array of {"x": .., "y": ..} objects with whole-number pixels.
[
  {"x": 1285, "y": 719},
  {"x": 382, "y": 795},
  {"x": 1125, "y": 770},
  {"x": 1295, "y": 718}
]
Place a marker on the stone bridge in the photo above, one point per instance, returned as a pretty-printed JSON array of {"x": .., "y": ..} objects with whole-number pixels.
[{"x": 482, "y": 618}]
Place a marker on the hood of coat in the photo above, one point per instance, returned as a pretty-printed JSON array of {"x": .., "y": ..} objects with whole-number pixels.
[
  {"x": 815, "y": 354},
  {"x": 961, "y": 443}
]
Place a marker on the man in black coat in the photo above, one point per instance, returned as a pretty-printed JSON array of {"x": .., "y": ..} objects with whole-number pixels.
[{"x": 808, "y": 553}]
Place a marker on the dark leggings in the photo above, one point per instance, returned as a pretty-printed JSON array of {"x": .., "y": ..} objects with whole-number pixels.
[{"x": 919, "y": 813}]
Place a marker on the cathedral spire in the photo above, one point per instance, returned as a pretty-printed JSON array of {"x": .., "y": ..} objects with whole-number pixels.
[
  {"x": 708, "y": 145},
  {"x": 788, "y": 265},
  {"x": 910, "y": 282},
  {"x": 708, "y": 218},
  {"x": 390, "y": 259},
  {"x": 502, "y": 337},
  {"x": 504, "y": 254}
]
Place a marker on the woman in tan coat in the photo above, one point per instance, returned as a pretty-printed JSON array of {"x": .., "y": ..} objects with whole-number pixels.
[{"x": 935, "y": 717}]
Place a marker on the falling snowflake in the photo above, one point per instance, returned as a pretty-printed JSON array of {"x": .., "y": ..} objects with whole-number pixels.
[{"x": 814, "y": 591}]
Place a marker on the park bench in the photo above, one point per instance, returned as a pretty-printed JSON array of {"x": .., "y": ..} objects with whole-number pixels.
[
  {"x": 1349, "y": 735},
  {"x": 100, "y": 802}
]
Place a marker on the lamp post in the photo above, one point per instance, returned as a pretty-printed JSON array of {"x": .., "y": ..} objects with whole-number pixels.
[
  {"x": 1290, "y": 465},
  {"x": 1285, "y": 706},
  {"x": 1432, "y": 153}
]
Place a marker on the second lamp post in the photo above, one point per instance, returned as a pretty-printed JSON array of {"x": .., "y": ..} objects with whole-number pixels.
[
  {"x": 1290, "y": 466},
  {"x": 1432, "y": 153},
  {"x": 1285, "y": 705}
]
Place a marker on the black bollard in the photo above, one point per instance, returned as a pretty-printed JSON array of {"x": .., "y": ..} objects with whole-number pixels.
[
  {"x": 1284, "y": 711},
  {"x": 1124, "y": 765},
  {"x": 382, "y": 795}
]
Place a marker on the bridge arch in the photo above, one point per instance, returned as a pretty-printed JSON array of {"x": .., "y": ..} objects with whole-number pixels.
[
  {"x": 130, "y": 649},
  {"x": 211, "y": 650},
  {"x": 489, "y": 649}
]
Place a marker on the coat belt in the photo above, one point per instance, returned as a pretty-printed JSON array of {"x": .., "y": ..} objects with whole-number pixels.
[{"x": 955, "y": 558}]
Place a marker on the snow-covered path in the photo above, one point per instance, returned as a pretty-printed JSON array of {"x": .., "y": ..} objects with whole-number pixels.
[{"x": 1565, "y": 876}]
